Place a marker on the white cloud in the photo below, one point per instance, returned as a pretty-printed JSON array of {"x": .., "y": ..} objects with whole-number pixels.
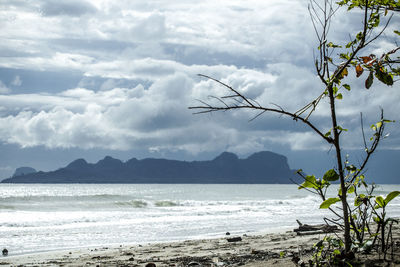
[
  {"x": 157, "y": 118},
  {"x": 258, "y": 31},
  {"x": 261, "y": 48},
  {"x": 124, "y": 118},
  {"x": 66, "y": 8},
  {"x": 3, "y": 88},
  {"x": 17, "y": 81},
  {"x": 151, "y": 28}
]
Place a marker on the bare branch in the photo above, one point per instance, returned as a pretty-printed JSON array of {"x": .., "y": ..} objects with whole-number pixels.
[
  {"x": 258, "y": 115},
  {"x": 230, "y": 88},
  {"x": 276, "y": 105},
  {"x": 363, "y": 134},
  {"x": 380, "y": 33},
  {"x": 247, "y": 104},
  {"x": 369, "y": 151}
]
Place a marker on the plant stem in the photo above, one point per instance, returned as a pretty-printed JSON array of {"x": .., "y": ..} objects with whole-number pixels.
[{"x": 336, "y": 143}]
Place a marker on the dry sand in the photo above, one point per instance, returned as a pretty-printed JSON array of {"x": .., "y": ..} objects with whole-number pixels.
[{"x": 252, "y": 251}]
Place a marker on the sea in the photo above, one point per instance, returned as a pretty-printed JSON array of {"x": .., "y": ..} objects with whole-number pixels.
[{"x": 46, "y": 217}]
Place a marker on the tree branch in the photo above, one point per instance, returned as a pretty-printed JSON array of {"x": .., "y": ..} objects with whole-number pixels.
[{"x": 247, "y": 104}]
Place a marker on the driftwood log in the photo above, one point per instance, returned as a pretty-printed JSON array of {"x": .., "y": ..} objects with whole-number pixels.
[
  {"x": 234, "y": 239},
  {"x": 307, "y": 229}
]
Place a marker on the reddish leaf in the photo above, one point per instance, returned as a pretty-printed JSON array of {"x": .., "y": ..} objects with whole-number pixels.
[
  {"x": 345, "y": 72},
  {"x": 359, "y": 70},
  {"x": 368, "y": 60}
]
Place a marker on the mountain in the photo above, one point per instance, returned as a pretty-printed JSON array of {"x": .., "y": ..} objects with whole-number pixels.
[
  {"x": 262, "y": 167},
  {"x": 23, "y": 170}
]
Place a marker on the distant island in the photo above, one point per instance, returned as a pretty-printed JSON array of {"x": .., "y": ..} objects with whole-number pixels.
[
  {"x": 23, "y": 170},
  {"x": 260, "y": 168}
]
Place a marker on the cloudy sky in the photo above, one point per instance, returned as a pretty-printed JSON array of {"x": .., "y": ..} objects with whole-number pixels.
[{"x": 95, "y": 78}]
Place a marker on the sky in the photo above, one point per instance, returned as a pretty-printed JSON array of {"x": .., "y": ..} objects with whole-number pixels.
[{"x": 86, "y": 79}]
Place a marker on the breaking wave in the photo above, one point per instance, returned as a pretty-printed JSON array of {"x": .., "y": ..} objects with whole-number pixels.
[
  {"x": 166, "y": 203},
  {"x": 132, "y": 203}
]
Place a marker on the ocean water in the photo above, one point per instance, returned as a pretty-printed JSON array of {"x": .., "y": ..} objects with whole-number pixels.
[{"x": 43, "y": 217}]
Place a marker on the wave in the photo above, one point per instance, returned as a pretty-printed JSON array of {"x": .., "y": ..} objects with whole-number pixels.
[
  {"x": 6, "y": 207},
  {"x": 107, "y": 202},
  {"x": 92, "y": 203},
  {"x": 47, "y": 198},
  {"x": 53, "y": 200},
  {"x": 132, "y": 203},
  {"x": 166, "y": 203}
]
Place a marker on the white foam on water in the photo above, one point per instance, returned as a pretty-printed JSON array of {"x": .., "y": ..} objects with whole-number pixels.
[{"x": 51, "y": 217}]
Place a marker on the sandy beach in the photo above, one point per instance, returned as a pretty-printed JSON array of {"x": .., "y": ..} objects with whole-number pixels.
[
  {"x": 252, "y": 250},
  {"x": 277, "y": 249}
]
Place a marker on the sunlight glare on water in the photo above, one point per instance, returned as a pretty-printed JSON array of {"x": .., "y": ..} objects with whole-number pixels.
[{"x": 48, "y": 217}]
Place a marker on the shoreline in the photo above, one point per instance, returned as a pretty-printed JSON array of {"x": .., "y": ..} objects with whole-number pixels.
[
  {"x": 251, "y": 249},
  {"x": 277, "y": 230},
  {"x": 248, "y": 250}
]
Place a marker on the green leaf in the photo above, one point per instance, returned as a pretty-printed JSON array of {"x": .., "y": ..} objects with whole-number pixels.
[
  {"x": 351, "y": 168},
  {"x": 369, "y": 80},
  {"x": 351, "y": 189},
  {"x": 358, "y": 180},
  {"x": 330, "y": 44},
  {"x": 331, "y": 175},
  {"x": 380, "y": 201},
  {"x": 348, "y": 45},
  {"x": 383, "y": 76},
  {"x": 327, "y": 203},
  {"x": 391, "y": 196},
  {"x": 344, "y": 56},
  {"x": 347, "y": 87},
  {"x": 359, "y": 200},
  {"x": 320, "y": 244},
  {"x": 328, "y": 133},
  {"x": 341, "y": 129},
  {"x": 339, "y": 96},
  {"x": 396, "y": 32},
  {"x": 375, "y": 20},
  {"x": 310, "y": 182}
]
